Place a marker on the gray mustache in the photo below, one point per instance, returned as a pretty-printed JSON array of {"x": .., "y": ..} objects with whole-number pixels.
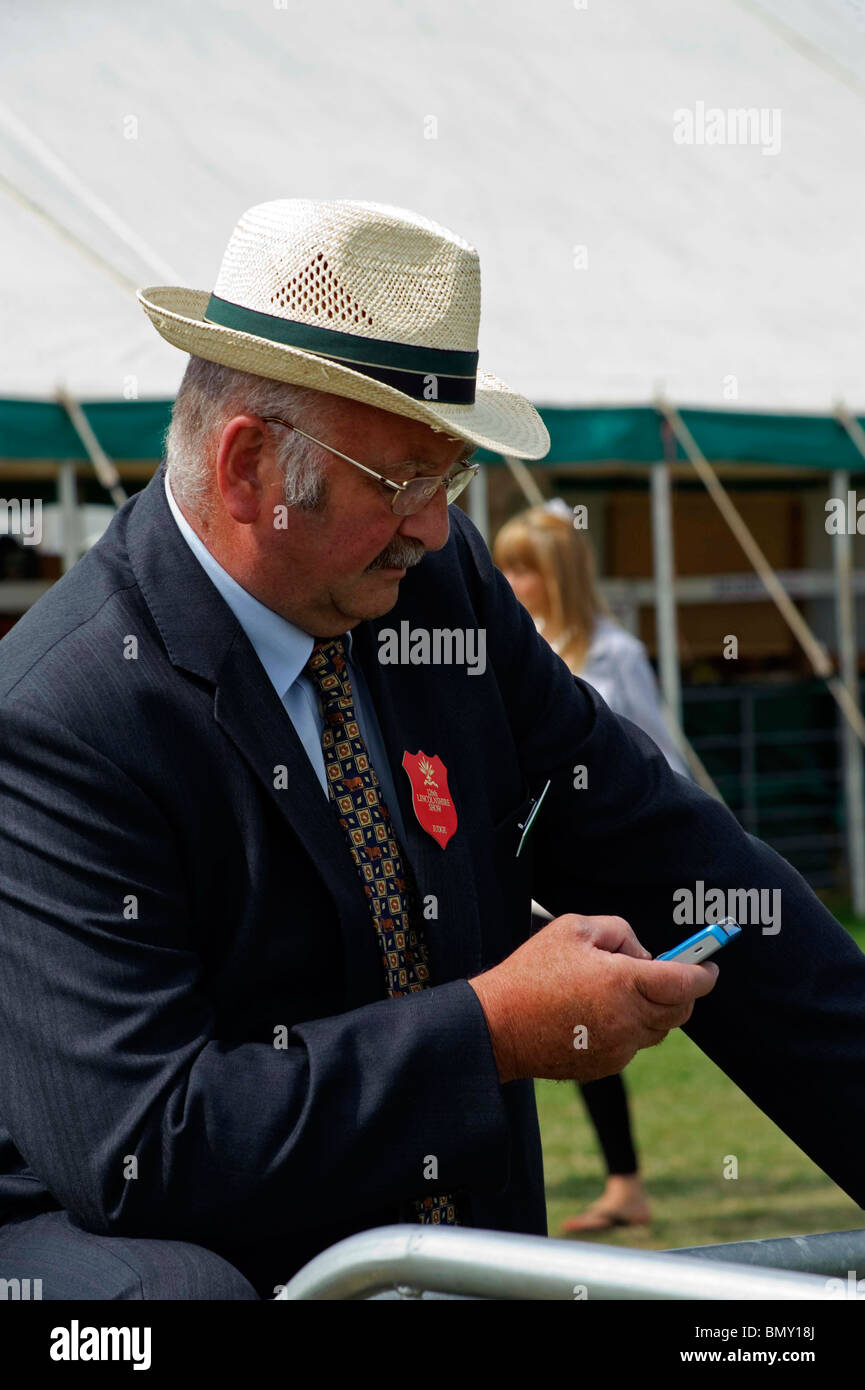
[{"x": 400, "y": 555}]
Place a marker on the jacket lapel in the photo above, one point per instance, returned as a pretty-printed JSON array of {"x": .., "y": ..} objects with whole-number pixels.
[
  {"x": 202, "y": 637},
  {"x": 250, "y": 712}
]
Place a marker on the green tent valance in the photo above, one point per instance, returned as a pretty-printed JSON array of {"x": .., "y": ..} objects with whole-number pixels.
[{"x": 136, "y": 429}]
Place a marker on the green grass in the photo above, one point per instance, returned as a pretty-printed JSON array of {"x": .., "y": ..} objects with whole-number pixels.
[{"x": 686, "y": 1116}]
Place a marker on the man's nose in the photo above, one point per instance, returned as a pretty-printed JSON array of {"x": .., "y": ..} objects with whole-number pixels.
[{"x": 431, "y": 525}]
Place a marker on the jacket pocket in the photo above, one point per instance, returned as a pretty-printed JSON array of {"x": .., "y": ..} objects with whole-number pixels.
[{"x": 513, "y": 882}]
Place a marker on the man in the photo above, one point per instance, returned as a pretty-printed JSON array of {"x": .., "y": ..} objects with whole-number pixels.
[{"x": 269, "y": 754}]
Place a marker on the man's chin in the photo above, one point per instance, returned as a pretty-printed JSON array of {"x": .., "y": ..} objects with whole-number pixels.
[{"x": 381, "y": 591}]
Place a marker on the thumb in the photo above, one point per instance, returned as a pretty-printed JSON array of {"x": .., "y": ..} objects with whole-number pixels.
[{"x": 666, "y": 982}]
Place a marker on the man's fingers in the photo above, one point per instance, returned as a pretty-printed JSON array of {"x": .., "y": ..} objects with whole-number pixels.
[
  {"x": 615, "y": 934},
  {"x": 667, "y": 1016},
  {"x": 657, "y": 1020},
  {"x": 666, "y": 983}
]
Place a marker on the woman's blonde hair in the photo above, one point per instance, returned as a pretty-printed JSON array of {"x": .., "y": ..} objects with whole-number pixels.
[{"x": 542, "y": 541}]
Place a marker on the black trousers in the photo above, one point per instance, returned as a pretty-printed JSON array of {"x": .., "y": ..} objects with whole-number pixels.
[
  {"x": 63, "y": 1261},
  {"x": 607, "y": 1103}
]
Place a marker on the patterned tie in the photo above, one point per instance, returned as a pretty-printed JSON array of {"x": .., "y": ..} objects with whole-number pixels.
[{"x": 355, "y": 793}]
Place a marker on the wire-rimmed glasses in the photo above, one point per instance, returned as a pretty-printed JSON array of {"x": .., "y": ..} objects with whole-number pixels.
[{"x": 409, "y": 497}]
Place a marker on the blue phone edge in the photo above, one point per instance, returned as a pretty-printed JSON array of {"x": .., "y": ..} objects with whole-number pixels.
[{"x": 714, "y": 929}]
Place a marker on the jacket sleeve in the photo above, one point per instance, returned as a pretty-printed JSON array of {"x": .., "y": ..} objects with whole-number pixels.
[
  {"x": 620, "y": 833},
  {"x": 115, "y": 1086}
]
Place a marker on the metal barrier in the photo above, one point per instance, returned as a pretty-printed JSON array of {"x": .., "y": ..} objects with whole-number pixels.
[
  {"x": 775, "y": 754},
  {"x": 836, "y": 1254},
  {"x": 406, "y": 1262}
]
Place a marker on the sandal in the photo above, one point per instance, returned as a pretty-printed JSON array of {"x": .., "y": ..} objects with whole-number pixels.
[{"x": 597, "y": 1217}]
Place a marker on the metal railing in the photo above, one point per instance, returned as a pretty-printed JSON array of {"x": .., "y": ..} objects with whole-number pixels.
[
  {"x": 835, "y": 1254},
  {"x": 774, "y": 752},
  {"x": 408, "y": 1262}
]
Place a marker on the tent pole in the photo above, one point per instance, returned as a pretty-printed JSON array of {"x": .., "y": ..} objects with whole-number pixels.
[
  {"x": 102, "y": 464},
  {"x": 665, "y": 611},
  {"x": 693, "y": 760},
  {"x": 845, "y": 615},
  {"x": 530, "y": 489},
  {"x": 845, "y": 608},
  {"x": 814, "y": 650},
  {"x": 478, "y": 495},
  {"x": 672, "y": 713},
  {"x": 665, "y": 602},
  {"x": 67, "y": 501},
  {"x": 61, "y": 173}
]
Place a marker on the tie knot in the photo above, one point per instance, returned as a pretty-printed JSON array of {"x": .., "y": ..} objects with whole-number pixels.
[{"x": 328, "y": 667}]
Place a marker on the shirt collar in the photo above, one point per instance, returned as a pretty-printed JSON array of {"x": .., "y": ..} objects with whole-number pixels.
[{"x": 282, "y": 648}]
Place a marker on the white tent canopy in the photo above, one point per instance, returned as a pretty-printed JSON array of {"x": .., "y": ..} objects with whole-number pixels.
[
  {"x": 723, "y": 273},
  {"x": 667, "y": 198}
]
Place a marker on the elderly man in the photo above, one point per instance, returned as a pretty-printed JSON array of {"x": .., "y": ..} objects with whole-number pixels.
[{"x": 267, "y": 976}]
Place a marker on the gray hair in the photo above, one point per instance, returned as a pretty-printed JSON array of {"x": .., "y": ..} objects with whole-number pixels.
[{"x": 208, "y": 396}]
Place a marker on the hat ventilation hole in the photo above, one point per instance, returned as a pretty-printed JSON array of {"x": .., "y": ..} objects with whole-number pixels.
[{"x": 316, "y": 292}]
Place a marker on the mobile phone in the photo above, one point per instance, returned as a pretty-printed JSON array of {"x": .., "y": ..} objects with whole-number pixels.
[{"x": 704, "y": 943}]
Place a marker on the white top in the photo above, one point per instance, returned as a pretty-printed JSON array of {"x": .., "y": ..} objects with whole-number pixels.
[{"x": 618, "y": 666}]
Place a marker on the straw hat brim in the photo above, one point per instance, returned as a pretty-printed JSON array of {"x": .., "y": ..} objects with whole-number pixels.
[{"x": 499, "y": 420}]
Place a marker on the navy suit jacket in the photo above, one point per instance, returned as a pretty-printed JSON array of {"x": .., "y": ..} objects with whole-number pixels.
[{"x": 171, "y": 908}]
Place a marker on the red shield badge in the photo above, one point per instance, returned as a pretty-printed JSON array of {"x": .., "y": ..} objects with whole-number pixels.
[{"x": 431, "y": 796}]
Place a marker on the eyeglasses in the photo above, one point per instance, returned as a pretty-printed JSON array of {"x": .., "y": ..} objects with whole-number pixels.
[{"x": 410, "y": 497}]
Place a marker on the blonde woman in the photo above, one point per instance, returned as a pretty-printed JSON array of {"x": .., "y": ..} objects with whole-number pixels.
[{"x": 550, "y": 567}]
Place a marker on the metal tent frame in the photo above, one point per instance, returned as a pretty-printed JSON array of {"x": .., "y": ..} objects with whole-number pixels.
[{"x": 843, "y": 685}]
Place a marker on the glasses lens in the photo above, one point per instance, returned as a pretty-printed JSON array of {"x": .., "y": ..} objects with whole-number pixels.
[
  {"x": 420, "y": 491},
  {"x": 460, "y": 483},
  {"x": 415, "y": 495}
]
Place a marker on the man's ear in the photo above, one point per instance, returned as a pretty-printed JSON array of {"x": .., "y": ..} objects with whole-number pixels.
[{"x": 242, "y": 469}]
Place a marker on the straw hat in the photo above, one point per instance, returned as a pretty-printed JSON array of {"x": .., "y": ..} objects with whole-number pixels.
[{"x": 359, "y": 299}]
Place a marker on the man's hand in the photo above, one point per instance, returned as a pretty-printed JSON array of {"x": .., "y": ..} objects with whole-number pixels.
[{"x": 583, "y": 973}]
